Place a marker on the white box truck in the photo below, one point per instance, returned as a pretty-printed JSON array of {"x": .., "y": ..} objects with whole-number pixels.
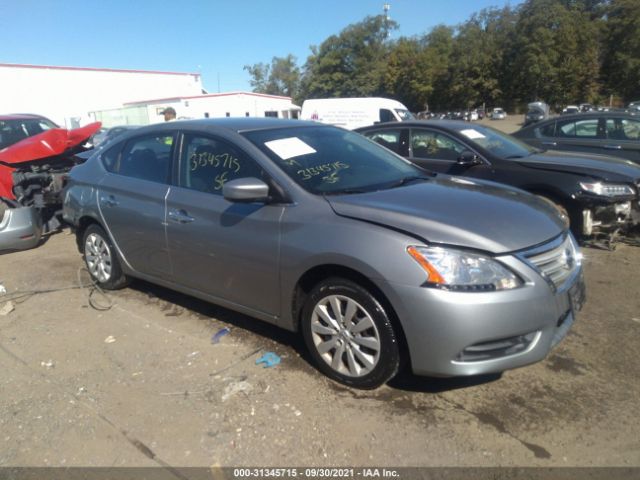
[{"x": 352, "y": 113}]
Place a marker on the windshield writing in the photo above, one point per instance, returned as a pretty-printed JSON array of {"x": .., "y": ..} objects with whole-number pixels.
[{"x": 332, "y": 160}]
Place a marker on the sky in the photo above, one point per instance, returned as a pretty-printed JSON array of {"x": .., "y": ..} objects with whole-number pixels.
[{"x": 215, "y": 38}]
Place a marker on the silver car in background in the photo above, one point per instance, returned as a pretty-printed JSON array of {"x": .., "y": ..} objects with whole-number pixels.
[{"x": 319, "y": 230}]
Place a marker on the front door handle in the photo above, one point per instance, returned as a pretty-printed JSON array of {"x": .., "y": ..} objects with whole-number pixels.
[
  {"x": 180, "y": 216},
  {"x": 550, "y": 144},
  {"x": 110, "y": 201},
  {"x": 613, "y": 147}
]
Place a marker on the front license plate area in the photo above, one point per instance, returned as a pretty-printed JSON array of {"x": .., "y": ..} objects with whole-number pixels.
[{"x": 577, "y": 295}]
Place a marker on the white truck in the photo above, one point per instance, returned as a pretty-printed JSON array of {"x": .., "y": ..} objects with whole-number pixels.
[{"x": 351, "y": 113}]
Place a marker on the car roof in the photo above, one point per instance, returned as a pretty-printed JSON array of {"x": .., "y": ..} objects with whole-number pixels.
[
  {"x": 21, "y": 116},
  {"x": 580, "y": 116},
  {"x": 450, "y": 124},
  {"x": 234, "y": 124}
]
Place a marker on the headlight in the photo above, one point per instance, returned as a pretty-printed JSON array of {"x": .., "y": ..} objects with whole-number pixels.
[
  {"x": 463, "y": 271},
  {"x": 607, "y": 189}
]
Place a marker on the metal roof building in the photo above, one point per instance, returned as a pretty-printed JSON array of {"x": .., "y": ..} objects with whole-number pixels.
[{"x": 68, "y": 94}]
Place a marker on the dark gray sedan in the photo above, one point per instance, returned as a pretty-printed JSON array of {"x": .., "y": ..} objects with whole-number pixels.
[
  {"x": 604, "y": 133},
  {"x": 319, "y": 230}
]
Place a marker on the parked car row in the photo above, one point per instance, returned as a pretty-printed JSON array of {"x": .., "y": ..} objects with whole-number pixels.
[
  {"x": 376, "y": 245},
  {"x": 466, "y": 115},
  {"x": 594, "y": 194},
  {"x": 604, "y": 133}
]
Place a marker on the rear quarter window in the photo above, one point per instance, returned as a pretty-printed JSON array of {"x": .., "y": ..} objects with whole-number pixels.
[
  {"x": 546, "y": 130},
  {"x": 109, "y": 158}
]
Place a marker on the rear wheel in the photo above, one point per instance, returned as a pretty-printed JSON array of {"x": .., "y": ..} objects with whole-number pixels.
[
  {"x": 101, "y": 259},
  {"x": 349, "y": 334}
]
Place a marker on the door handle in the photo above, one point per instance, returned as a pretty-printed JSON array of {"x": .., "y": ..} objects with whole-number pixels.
[
  {"x": 550, "y": 144},
  {"x": 110, "y": 201},
  {"x": 180, "y": 216},
  {"x": 613, "y": 147}
]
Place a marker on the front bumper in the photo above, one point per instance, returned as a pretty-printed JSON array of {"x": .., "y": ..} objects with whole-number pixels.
[
  {"x": 459, "y": 333},
  {"x": 20, "y": 228}
]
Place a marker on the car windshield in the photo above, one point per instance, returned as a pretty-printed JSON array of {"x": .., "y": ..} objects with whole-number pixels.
[
  {"x": 499, "y": 144},
  {"x": 328, "y": 160},
  {"x": 405, "y": 115},
  {"x": 15, "y": 130}
]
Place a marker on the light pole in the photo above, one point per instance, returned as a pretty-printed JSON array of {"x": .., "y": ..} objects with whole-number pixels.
[{"x": 386, "y": 7}]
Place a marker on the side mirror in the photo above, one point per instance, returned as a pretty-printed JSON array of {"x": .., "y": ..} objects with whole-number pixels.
[
  {"x": 467, "y": 158},
  {"x": 246, "y": 190}
]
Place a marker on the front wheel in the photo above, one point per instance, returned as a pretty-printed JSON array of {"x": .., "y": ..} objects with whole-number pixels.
[
  {"x": 349, "y": 334},
  {"x": 101, "y": 259}
]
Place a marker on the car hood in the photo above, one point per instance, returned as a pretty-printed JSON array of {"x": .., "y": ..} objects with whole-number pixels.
[
  {"x": 456, "y": 211},
  {"x": 600, "y": 166}
]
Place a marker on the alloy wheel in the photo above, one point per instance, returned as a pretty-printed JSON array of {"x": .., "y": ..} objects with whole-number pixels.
[
  {"x": 345, "y": 336},
  {"x": 98, "y": 257}
]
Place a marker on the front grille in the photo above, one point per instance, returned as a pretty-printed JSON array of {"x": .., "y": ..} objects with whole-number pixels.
[{"x": 556, "y": 261}]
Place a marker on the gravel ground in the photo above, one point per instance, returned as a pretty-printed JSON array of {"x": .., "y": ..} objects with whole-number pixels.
[{"x": 141, "y": 383}]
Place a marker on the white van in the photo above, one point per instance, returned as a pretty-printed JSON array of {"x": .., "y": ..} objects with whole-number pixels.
[{"x": 353, "y": 113}]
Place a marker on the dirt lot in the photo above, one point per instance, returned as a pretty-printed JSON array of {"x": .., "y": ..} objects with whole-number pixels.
[{"x": 142, "y": 384}]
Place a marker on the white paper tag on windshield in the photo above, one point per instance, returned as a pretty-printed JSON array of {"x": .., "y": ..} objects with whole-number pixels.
[
  {"x": 290, "y": 147},
  {"x": 471, "y": 133}
]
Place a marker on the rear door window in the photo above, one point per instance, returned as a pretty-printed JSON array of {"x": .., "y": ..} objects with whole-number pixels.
[
  {"x": 548, "y": 130},
  {"x": 623, "y": 129},
  {"x": 110, "y": 157},
  {"x": 147, "y": 158},
  {"x": 387, "y": 138}
]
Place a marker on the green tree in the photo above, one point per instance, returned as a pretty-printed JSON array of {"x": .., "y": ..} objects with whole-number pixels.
[
  {"x": 479, "y": 52},
  {"x": 621, "y": 65},
  {"x": 282, "y": 77},
  {"x": 349, "y": 64},
  {"x": 259, "y": 74},
  {"x": 439, "y": 44},
  {"x": 408, "y": 77},
  {"x": 555, "y": 53}
]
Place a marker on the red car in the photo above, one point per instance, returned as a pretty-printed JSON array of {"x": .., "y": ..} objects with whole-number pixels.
[{"x": 35, "y": 155}]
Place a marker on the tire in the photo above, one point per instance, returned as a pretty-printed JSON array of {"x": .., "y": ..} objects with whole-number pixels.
[
  {"x": 101, "y": 259},
  {"x": 359, "y": 347}
]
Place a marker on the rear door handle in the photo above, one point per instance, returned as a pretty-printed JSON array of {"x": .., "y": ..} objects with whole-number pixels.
[
  {"x": 550, "y": 144},
  {"x": 110, "y": 201},
  {"x": 180, "y": 216},
  {"x": 613, "y": 147}
]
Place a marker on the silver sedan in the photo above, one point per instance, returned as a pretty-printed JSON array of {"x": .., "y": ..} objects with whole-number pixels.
[{"x": 322, "y": 231}]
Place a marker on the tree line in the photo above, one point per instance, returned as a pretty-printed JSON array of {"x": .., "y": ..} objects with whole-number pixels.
[{"x": 557, "y": 51}]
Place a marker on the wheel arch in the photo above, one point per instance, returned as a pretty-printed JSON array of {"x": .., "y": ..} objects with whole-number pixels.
[
  {"x": 317, "y": 274},
  {"x": 82, "y": 225}
]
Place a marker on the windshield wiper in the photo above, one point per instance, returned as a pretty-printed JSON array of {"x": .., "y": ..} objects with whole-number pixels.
[
  {"x": 509, "y": 157},
  {"x": 346, "y": 191},
  {"x": 407, "y": 180}
]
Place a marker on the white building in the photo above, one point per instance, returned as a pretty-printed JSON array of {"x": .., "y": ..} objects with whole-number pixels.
[
  {"x": 67, "y": 94},
  {"x": 231, "y": 104}
]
